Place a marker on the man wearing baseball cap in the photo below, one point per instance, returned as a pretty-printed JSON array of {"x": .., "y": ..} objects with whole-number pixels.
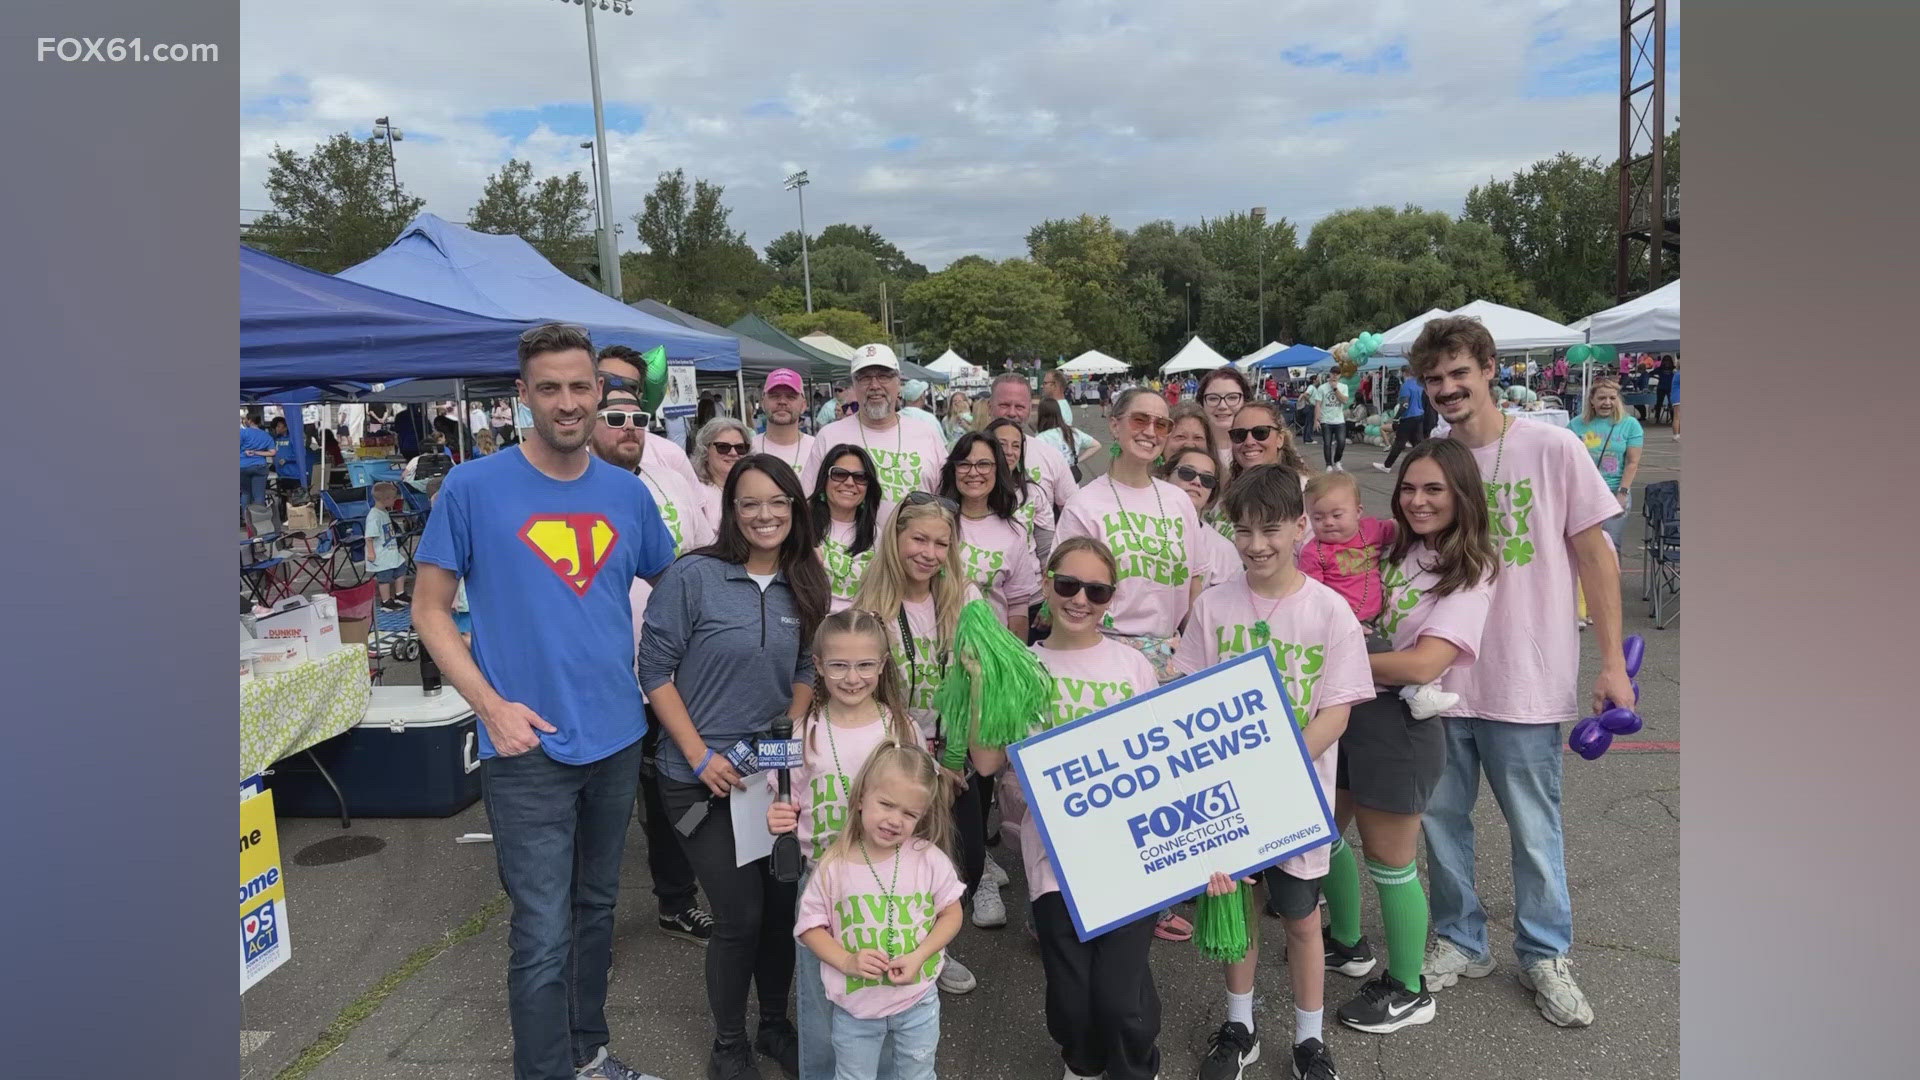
[
  {"x": 908, "y": 456},
  {"x": 784, "y": 399},
  {"x": 913, "y": 406}
]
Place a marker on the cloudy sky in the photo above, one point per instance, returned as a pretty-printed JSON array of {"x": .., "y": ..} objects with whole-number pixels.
[{"x": 954, "y": 127}]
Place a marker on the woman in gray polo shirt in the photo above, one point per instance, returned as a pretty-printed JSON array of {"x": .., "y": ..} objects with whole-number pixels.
[{"x": 726, "y": 650}]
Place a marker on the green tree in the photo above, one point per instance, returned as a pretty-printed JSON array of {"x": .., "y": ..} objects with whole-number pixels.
[
  {"x": 1242, "y": 254},
  {"x": 1089, "y": 257},
  {"x": 1558, "y": 225},
  {"x": 893, "y": 262},
  {"x": 784, "y": 252},
  {"x": 990, "y": 312},
  {"x": 852, "y": 327},
  {"x": 1168, "y": 275},
  {"x": 693, "y": 260},
  {"x": 554, "y": 215},
  {"x": 334, "y": 207}
]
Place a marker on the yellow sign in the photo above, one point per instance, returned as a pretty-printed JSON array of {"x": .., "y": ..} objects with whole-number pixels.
[{"x": 264, "y": 944}]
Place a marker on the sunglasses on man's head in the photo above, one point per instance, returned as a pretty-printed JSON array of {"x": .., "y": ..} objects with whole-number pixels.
[
  {"x": 723, "y": 447},
  {"x": 1140, "y": 421},
  {"x": 1260, "y": 434},
  {"x": 1194, "y": 476},
  {"x": 619, "y": 418},
  {"x": 1098, "y": 592},
  {"x": 839, "y": 475}
]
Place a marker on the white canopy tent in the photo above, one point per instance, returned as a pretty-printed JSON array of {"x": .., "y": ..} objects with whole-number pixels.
[
  {"x": 1395, "y": 341},
  {"x": 958, "y": 371},
  {"x": 1195, "y": 355},
  {"x": 1249, "y": 361},
  {"x": 829, "y": 344},
  {"x": 1093, "y": 362},
  {"x": 1647, "y": 323},
  {"x": 1517, "y": 331}
]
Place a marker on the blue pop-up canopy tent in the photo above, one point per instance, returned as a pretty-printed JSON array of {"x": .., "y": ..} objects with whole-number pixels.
[
  {"x": 503, "y": 277},
  {"x": 1300, "y": 356}
]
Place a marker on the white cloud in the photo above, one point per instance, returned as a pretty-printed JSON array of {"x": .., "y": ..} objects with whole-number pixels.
[{"x": 1017, "y": 111}]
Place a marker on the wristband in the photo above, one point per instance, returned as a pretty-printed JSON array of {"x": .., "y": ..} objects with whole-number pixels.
[{"x": 702, "y": 767}]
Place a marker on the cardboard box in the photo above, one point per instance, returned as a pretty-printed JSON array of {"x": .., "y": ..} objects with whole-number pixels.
[
  {"x": 279, "y": 656},
  {"x": 314, "y": 621},
  {"x": 303, "y": 517},
  {"x": 355, "y": 631}
]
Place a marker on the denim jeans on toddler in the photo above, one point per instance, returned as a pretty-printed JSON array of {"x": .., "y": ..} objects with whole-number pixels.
[{"x": 908, "y": 1040}]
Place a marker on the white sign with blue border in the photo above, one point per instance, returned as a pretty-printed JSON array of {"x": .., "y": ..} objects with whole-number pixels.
[{"x": 1139, "y": 803}]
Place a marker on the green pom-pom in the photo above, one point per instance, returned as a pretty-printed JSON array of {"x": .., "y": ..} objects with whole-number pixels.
[
  {"x": 995, "y": 689},
  {"x": 1220, "y": 926},
  {"x": 654, "y": 362}
]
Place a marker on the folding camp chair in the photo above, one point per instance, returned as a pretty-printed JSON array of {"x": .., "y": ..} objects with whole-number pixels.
[
  {"x": 1660, "y": 551},
  {"x": 263, "y": 571}
]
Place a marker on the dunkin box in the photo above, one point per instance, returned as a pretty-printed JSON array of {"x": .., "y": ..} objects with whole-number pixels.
[{"x": 414, "y": 755}]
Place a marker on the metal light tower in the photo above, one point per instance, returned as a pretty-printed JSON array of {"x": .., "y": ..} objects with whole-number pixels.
[
  {"x": 1260, "y": 222},
  {"x": 1649, "y": 221},
  {"x": 797, "y": 184},
  {"x": 609, "y": 249},
  {"x": 382, "y": 128}
]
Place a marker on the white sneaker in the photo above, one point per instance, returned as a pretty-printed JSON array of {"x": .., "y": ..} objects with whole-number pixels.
[
  {"x": 1069, "y": 1074},
  {"x": 996, "y": 875},
  {"x": 1428, "y": 701},
  {"x": 1381, "y": 467},
  {"x": 955, "y": 978},
  {"x": 1446, "y": 963},
  {"x": 1555, "y": 993},
  {"x": 989, "y": 911}
]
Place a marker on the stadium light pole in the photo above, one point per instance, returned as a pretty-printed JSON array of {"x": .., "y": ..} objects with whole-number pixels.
[
  {"x": 1260, "y": 222},
  {"x": 383, "y": 128},
  {"x": 797, "y": 184},
  {"x": 609, "y": 249}
]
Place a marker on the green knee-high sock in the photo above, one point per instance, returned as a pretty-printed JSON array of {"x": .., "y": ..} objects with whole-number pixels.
[
  {"x": 1342, "y": 886},
  {"x": 1403, "y": 907}
]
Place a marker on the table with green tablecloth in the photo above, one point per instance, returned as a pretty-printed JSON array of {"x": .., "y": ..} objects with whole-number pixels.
[{"x": 281, "y": 715}]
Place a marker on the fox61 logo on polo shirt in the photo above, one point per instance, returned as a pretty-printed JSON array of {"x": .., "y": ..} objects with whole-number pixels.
[{"x": 259, "y": 931}]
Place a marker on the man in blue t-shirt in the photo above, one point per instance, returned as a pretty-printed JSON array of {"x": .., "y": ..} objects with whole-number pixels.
[
  {"x": 549, "y": 539},
  {"x": 256, "y": 451},
  {"x": 1412, "y": 425}
]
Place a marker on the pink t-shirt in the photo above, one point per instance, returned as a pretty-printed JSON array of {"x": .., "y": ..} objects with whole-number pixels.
[
  {"x": 1049, "y": 468},
  {"x": 1084, "y": 682},
  {"x": 1036, "y": 510},
  {"x": 1219, "y": 559},
  {"x": 795, "y": 455},
  {"x": 997, "y": 556},
  {"x": 907, "y": 455},
  {"x": 1351, "y": 569},
  {"x": 877, "y": 907},
  {"x": 1152, "y": 533},
  {"x": 844, "y": 571},
  {"x": 1318, "y": 646},
  {"x": 821, "y": 786},
  {"x": 708, "y": 497},
  {"x": 1529, "y": 656},
  {"x": 922, "y": 676},
  {"x": 658, "y": 452},
  {"x": 1413, "y": 612}
]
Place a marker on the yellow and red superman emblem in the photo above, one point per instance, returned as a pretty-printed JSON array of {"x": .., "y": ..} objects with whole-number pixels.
[{"x": 574, "y": 546}]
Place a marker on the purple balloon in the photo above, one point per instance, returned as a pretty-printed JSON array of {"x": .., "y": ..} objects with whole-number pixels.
[
  {"x": 1619, "y": 721},
  {"x": 1635, "y": 650},
  {"x": 1589, "y": 739}
]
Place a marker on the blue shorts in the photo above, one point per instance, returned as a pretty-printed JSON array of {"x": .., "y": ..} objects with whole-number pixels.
[{"x": 388, "y": 577}]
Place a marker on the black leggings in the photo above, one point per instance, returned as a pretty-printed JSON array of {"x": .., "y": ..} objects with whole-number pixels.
[
  {"x": 1334, "y": 445},
  {"x": 752, "y": 917},
  {"x": 1102, "y": 1008},
  {"x": 970, "y": 828},
  {"x": 1406, "y": 432},
  {"x": 673, "y": 883}
]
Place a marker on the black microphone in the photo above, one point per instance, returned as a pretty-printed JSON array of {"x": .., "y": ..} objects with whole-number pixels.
[{"x": 786, "y": 846}]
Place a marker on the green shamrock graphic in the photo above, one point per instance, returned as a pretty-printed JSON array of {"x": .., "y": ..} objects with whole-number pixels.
[{"x": 1518, "y": 552}]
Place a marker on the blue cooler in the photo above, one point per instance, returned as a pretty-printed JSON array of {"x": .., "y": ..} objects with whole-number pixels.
[{"x": 414, "y": 755}]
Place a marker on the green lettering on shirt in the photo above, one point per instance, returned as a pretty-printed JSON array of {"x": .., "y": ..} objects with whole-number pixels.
[
  {"x": 1299, "y": 664},
  {"x": 1148, "y": 547},
  {"x": 864, "y": 925}
]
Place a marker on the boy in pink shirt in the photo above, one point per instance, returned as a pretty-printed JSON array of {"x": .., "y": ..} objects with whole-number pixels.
[
  {"x": 1322, "y": 656},
  {"x": 1344, "y": 555}
]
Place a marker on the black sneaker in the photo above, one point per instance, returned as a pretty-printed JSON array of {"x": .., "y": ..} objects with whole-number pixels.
[
  {"x": 1353, "y": 960},
  {"x": 732, "y": 1062},
  {"x": 779, "y": 1041},
  {"x": 1312, "y": 1062},
  {"x": 1384, "y": 1006},
  {"x": 1229, "y": 1051},
  {"x": 692, "y": 924}
]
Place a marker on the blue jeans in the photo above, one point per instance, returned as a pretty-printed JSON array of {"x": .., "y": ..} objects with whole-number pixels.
[
  {"x": 1613, "y": 526},
  {"x": 253, "y": 484},
  {"x": 858, "y": 1045},
  {"x": 559, "y": 832},
  {"x": 1522, "y": 763}
]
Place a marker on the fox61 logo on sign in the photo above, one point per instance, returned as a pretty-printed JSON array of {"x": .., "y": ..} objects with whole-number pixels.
[{"x": 259, "y": 931}]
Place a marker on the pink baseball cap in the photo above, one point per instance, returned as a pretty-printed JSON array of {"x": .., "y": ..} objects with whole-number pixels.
[{"x": 786, "y": 377}]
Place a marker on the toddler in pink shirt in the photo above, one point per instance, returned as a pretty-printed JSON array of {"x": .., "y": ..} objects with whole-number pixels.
[{"x": 1344, "y": 555}]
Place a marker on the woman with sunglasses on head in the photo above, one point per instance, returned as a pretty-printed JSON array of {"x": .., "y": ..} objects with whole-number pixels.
[
  {"x": 720, "y": 443},
  {"x": 1222, "y": 392},
  {"x": 1150, "y": 527},
  {"x": 1102, "y": 1007},
  {"x": 847, "y": 512},
  {"x": 1196, "y": 472},
  {"x": 1036, "y": 510},
  {"x": 916, "y": 585},
  {"x": 726, "y": 650}
]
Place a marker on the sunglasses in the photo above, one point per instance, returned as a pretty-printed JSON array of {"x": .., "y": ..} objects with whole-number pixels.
[
  {"x": 1260, "y": 434},
  {"x": 921, "y": 498},
  {"x": 619, "y": 418},
  {"x": 846, "y": 476},
  {"x": 1194, "y": 476},
  {"x": 720, "y": 446},
  {"x": 1160, "y": 425},
  {"x": 1098, "y": 592}
]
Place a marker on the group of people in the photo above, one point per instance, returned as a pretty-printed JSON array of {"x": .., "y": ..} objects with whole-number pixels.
[{"x": 632, "y": 639}]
